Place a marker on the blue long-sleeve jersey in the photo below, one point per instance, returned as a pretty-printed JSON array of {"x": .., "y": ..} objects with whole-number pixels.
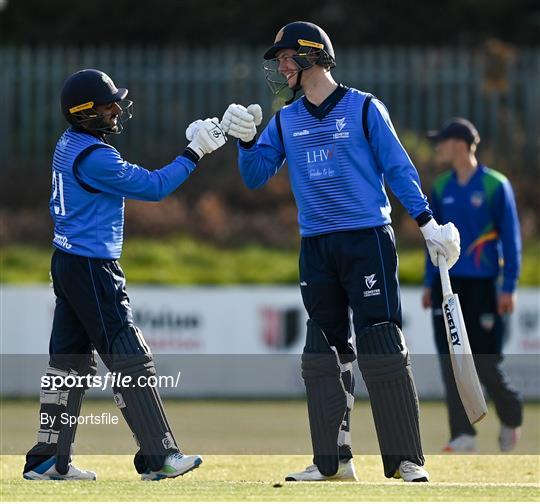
[
  {"x": 484, "y": 211},
  {"x": 90, "y": 182},
  {"x": 337, "y": 175}
]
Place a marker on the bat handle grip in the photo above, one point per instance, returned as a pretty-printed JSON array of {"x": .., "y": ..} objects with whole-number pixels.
[{"x": 445, "y": 278}]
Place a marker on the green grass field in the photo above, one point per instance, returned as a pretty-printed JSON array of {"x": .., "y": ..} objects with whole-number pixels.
[
  {"x": 249, "y": 446},
  {"x": 260, "y": 478},
  {"x": 184, "y": 261}
]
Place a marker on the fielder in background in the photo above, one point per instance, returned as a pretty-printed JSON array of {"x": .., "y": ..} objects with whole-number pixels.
[
  {"x": 90, "y": 182},
  {"x": 341, "y": 148},
  {"x": 480, "y": 201}
]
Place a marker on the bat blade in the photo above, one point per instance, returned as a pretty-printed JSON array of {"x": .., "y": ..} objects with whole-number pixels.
[{"x": 466, "y": 377}]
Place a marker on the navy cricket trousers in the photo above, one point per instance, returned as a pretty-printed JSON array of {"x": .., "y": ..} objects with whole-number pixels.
[
  {"x": 92, "y": 306},
  {"x": 350, "y": 269}
]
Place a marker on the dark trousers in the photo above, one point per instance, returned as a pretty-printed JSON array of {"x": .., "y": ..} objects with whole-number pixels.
[
  {"x": 92, "y": 306},
  {"x": 356, "y": 269},
  {"x": 485, "y": 328}
]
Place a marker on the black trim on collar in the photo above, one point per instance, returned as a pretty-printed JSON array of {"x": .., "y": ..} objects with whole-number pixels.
[{"x": 327, "y": 105}]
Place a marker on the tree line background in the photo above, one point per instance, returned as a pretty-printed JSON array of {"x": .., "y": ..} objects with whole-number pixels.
[{"x": 213, "y": 205}]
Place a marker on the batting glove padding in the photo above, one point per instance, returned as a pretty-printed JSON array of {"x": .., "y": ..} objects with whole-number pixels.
[
  {"x": 256, "y": 111},
  {"x": 241, "y": 122},
  {"x": 193, "y": 128},
  {"x": 206, "y": 136},
  {"x": 442, "y": 240}
]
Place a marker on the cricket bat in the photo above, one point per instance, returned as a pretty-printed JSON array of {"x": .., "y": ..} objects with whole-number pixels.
[{"x": 468, "y": 384}]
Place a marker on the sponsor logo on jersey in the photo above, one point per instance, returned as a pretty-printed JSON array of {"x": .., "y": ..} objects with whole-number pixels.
[
  {"x": 448, "y": 200},
  {"x": 300, "y": 133},
  {"x": 61, "y": 240},
  {"x": 322, "y": 162},
  {"x": 370, "y": 282},
  {"x": 320, "y": 155}
]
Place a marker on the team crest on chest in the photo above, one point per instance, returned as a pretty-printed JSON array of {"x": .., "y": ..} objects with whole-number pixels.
[
  {"x": 477, "y": 198},
  {"x": 340, "y": 124}
]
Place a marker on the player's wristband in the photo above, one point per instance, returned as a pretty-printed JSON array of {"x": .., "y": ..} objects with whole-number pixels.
[
  {"x": 191, "y": 155},
  {"x": 247, "y": 145},
  {"x": 423, "y": 218}
]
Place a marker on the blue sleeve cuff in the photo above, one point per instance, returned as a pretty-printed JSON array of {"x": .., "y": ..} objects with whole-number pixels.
[{"x": 509, "y": 285}]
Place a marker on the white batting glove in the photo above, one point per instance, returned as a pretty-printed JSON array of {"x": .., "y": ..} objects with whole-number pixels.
[
  {"x": 240, "y": 123},
  {"x": 192, "y": 129},
  {"x": 256, "y": 111},
  {"x": 206, "y": 136},
  {"x": 442, "y": 240}
]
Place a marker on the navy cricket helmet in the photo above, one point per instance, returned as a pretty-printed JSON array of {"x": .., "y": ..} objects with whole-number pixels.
[
  {"x": 312, "y": 46},
  {"x": 87, "y": 88},
  {"x": 303, "y": 37}
]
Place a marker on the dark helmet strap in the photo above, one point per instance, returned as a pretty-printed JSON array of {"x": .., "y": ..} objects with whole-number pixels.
[{"x": 297, "y": 87}]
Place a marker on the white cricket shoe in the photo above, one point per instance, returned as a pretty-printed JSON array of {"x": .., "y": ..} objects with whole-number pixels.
[
  {"x": 345, "y": 472},
  {"x": 411, "y": 473},
  {"x": 464, "y": 443},
  {"x": 47, "y": 471},
  {"x": 176, "y": 464},
  {"x": 508, "y": 438}
]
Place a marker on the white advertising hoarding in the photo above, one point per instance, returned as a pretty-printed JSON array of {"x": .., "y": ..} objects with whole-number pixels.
[{"x": 243, "y": 340}]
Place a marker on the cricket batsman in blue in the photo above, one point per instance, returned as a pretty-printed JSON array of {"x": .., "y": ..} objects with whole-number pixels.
[
  {"x": 90, "y": 182},
  {"x": 341, "y": 149}
]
